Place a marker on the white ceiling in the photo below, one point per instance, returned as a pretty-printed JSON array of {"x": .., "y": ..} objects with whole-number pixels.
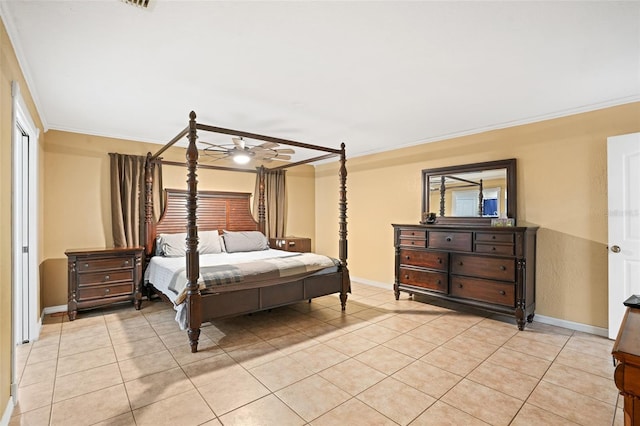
[{"x": 375, "y": 75}]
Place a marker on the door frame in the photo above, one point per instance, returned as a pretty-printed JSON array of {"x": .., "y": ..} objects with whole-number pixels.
[{"x": 21, "y": 119}]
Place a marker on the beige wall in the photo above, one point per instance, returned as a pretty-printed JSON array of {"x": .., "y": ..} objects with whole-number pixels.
[
  {"x": 77, "y": 197},
  {"x": 562, "y": 188},
  {"x": 9, "y": 71}
]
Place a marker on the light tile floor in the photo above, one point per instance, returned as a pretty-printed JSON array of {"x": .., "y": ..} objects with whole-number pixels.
[{"x": 382, "y": 362}]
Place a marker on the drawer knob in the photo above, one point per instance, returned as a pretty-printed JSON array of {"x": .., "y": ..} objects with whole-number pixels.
[
  {"x": 502, "y": 292},
  {"x": 107, "y": 277},
  {"x": 413, "y": 233},
  {"x": 439, "y": 260},
  {"x": 493, "y": 248},
  {"x": 439, "y": 282},
  {"x": 86, "y": 265},
  {"x": 493, "y": 237},
  {"x": 126, "y": 263},
  {"x": 459, "y": 285},
  {"x": 448, "y": 239},
  {"x": 503, "y": 268},
  {"x": 406, "y": 277},
  {"x": 413, "y": 242},
  {"x": 460, "y": 263},
  {"x": 106, "y": 290},
  {"x": 406, "y": 257}
]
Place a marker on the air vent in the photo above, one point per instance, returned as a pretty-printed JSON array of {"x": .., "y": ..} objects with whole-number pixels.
[{"x": 139, "y": 3}]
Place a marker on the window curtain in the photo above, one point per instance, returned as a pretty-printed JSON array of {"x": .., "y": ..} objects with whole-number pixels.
[
  {"x": 275, "y": 202},
  {"x": 128, "y": 196}
]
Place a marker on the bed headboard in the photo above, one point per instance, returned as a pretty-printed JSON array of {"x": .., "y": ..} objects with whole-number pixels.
[{"x": 217, "y": 210}]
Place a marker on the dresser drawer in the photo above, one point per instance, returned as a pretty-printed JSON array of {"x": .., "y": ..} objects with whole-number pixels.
[
  {"x": 460, "y": 241},
  {"x": 497, "y": 268},
  {"x": 413, "y": 233},
  {"x": 89, "y": 265},
  {"x": 94, "y": 292},
  {"x": 494, "y": 237},
  {"x": 495, "y": 249},
  {"x": 426, "y": 259},
  {"x": 405, "y": 242},
  {"x": 484, "y": 291},
  {"x": 436, "y": 281},
  {"x": 94, "y": 278}
]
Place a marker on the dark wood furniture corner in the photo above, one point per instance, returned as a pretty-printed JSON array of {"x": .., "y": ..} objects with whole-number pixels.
[
  {"x": 99, "y": 277},
  {"x": 626, "y": 351},
  {"x": 492, "y": 268},
  {"x": 295, "y": 244}
]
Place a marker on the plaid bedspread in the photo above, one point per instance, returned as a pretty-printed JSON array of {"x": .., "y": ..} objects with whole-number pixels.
[{"x": 298, "y": 264}]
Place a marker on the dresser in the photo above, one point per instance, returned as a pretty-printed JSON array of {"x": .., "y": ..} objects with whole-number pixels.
[
  {"x": 487, "y": 267},
  {"x": 296, "y": 244},
  {"x": 99, "y": 277},
  {"x": 626, "y": 351}
]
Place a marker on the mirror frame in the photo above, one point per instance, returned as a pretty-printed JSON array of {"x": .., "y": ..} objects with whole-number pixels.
[{"x": 512, "y": 199}]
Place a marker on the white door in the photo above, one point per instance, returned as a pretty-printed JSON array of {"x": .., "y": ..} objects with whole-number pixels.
[{"x": 623, "y": 165}]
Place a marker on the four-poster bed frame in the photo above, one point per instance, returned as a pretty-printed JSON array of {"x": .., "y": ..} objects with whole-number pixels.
[{"x": 223, "y": 208}]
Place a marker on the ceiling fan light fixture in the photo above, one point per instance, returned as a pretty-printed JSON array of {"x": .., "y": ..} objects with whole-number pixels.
[{"x": 241, "y": 158}]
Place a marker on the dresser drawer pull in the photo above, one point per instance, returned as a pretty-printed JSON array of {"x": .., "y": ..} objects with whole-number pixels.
[
  {"x": 502, "y": 292},
  {"x": 86, "y": 265},
  {"x": 493, "y": 237},
  {"x": 439, "y": 282},
  {"x": 406, "y": 277},
  {"x": 493, "y": 248},
  {"x": 106, "y": 291},
  {"x": 107, "y": 277},
  {"x": 413, "y": 242},
  {"x": 413, "y": 233},
  {"x": 503, "y": 268},
  {"x": 439, "y": 260},
  {"x": 407, "y": 257},
  {"x": 449, "y": 239},
  {"x": 126, "y": 263},
  {"x": 459, "y": 285},
  {"x": 460, "y": 263}
]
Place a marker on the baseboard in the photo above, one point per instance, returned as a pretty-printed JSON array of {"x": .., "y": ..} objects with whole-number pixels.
[
  {"x": 372, "y": 283},
  {"x": 8, "y": 411},
  {"x": 585, "y": 328},
  {"x": 54, "y": 309}
]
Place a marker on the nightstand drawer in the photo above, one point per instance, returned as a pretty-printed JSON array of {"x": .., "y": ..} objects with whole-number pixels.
[
  {"x": 89, "y": 265},
  {"x": 94, "y": 278},
  {"x": 104, "y": 291}
]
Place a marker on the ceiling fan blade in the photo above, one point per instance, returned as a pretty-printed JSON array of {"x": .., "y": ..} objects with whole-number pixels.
[
  {"x": 268, "y": 145},
  {"x": 282, "y": 157},
  {"x": 285, "y": 151}
]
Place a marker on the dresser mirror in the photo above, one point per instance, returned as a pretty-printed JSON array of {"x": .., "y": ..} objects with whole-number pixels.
[{"x": 469, "y": 194}]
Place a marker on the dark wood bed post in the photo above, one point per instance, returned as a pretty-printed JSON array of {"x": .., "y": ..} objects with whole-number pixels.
[
  {"x": 342, "y": 233},
  {"x": 148, "y": 207},
  {"x": 262, "y": 222},
  {"x": 194, "y": 299}
]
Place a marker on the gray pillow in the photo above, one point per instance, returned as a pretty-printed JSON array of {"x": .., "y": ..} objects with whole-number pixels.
[
  {"x": 244, "y": 241},
  {"x": 175, "y": 245}
]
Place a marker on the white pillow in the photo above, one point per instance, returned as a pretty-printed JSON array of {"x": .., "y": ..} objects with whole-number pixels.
[
  {"x": 175, "y": 245},
  {"x": 244, "y": 241}
]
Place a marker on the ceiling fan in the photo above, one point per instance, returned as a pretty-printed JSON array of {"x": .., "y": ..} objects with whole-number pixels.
[{"x": 241, "y": 152}]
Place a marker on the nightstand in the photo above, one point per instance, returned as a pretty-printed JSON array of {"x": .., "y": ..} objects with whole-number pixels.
[
  {"x": 99, "y": 277},
  {"x": 297, "y": 244}
]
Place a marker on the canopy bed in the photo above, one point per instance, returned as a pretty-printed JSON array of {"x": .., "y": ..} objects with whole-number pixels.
[{"x": 225, "y": 268}]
